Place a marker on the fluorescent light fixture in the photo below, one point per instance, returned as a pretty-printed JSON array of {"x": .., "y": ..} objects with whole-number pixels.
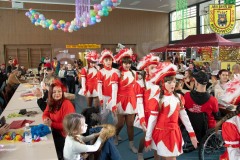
[
  {"x": 165, "y": 5},
  {"x": 134, "y": 3}
]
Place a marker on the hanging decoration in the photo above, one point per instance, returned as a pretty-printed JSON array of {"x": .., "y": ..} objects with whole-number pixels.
[
  {"x": 181, "y": 14},
  {"x": 230, "y": 2},
  {"x": 84, "y": 16}
]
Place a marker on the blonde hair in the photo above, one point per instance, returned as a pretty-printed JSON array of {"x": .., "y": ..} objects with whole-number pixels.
[{"x": 72, "y": 123}]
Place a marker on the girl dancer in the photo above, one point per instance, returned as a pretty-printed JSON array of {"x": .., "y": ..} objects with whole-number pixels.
[
  {"x": 145, "y": 92},
  {"x": 163, "y": 126},
  {"x": 104, "y": 84},
  {"x": 123, "y": 100},
  {"x": 89, "y": 78}
]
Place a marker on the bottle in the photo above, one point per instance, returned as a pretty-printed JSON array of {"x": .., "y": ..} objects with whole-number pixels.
[{"x": 28, "y": 134}]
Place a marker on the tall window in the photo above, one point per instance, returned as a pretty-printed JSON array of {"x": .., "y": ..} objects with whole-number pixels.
[
  {"x": 204, "y": 21},
  {"x": 191, "y": 28}
]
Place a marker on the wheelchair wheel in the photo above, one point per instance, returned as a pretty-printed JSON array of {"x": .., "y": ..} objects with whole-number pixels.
[{"x": 211, "y": 146}]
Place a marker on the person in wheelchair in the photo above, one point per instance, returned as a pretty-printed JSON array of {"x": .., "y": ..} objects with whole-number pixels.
[
  {"x": 231, "y": 135},
  {"x": 201, "y": 106}
]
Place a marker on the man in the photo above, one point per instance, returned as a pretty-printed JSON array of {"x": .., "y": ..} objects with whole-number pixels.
[{"x": 200, "y": 100}]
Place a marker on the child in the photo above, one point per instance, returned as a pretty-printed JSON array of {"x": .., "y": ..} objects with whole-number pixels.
[
  {"x": 89, "y": 78},
  {"x": 75, "y": 147},
  {"x": 104, "y": 84},
  {"x": 144, "y": 89},
  {"x": 123, "y": 100},
  {"x": 231, "y": 135},
  {"x": 163, "y": 133}
]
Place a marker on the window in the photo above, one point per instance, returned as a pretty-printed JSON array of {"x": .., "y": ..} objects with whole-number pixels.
[
  {"x": 191, "y": 29},
  {"x": 204, "y": 21}
]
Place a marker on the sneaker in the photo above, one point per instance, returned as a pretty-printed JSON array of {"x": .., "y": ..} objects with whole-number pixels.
[
  {"x": 133, "y": 149},
  {"x": 140, "y": 156}
]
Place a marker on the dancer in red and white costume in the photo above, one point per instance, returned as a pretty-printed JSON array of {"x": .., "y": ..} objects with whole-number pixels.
[
  {"x": 104, "y": 84},
  {"x": 146, "y": 95},
  {"x": 163, "y": 133},
  {"x": 89, "y": 78},
  {"x": 231, "y": 135},
  {"x": 123, "y": 100}
]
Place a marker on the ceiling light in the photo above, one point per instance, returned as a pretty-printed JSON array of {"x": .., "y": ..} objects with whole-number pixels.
[
  {"x": 166, "y": 5},
  {"x": 134, "y": 3}
]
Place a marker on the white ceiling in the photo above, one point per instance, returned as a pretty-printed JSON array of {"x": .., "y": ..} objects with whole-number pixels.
[{"x": 147, "y": 5}]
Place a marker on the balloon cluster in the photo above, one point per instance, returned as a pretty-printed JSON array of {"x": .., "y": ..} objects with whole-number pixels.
[{"x": 91, "y": 18}]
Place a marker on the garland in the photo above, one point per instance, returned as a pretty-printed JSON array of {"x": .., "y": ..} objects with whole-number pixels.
[{"x": 84, "y": 16}]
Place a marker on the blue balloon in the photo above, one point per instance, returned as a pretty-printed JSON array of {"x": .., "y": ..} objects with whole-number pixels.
[
  {"x": 33, "y": 21},
  {"x": 109, "y": 3},
  {"x": 63, "y": 25}
]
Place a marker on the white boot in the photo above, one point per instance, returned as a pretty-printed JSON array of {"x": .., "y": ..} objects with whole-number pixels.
[
  {"x": 116, "y": 140},
  {"x": 140, "y": 156},
  {"x": 131, "y": 146}
]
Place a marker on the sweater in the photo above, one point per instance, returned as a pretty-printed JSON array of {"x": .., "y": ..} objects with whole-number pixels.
[
  {"x": 57, "y": 116},
  {"x": 73, "y": 149}
]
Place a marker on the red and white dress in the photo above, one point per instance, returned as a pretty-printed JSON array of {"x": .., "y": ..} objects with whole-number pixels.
[
  {"x": 147, "y": 100},
  {"x": 163, "y": 132},
  {"x": 89, "y": 82},
  {"x": 231, "y": 136},
  {"x": 123, "y": 95}
]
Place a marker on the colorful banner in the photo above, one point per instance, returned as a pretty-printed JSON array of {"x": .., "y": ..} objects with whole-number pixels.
[
  {"x": 84, "y": 46},
  {"x": 222, "y": 18}
]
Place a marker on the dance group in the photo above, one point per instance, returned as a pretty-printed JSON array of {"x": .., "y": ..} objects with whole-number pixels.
[{"x": 149, "y": 102}]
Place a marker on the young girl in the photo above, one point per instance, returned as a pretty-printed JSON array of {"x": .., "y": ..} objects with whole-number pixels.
[
  {"x": 231, "y": 135},
  {"x": 188, "y": 80},
  {"x": 104, "y": 84},
  {"x": 75, "y": 147},
  {"x": 144, "y": 91},
  {"x": 123, "y": 100},
  {"x": 89, "y": 78},
  {"x": 163, "y": 132}
]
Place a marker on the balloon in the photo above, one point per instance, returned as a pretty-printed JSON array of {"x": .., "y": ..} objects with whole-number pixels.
[
  {"x": 27, "y": 13},
  {"x": 95, "y": 7},
  {"x": 65, "y": 30},
  {"x": 58, "y": 25},
  {"x": 99, "y": 6},
  {"x": 84, "y": 24},
  {"x": 109, "y": 3},
  {"x": 98, "y": 16},
  {"x": 36, "y": 16},
  {"x": 54, "y": 21},
  {"x": 92, "y": 13},
  {"x": 70, "y": 30},
  {"x": 103, "y": 3},
  {"x": 93, "y": 19},
  {"x": 41, "y": 17},
  {"x": 36, "y": 23},
  {"x": 98, "y": 20},
  {"x": 67, "y": 24},
  {"x": 100, "y": 13},
  {"x": 106, "y": 13},
  {"x": 109, "y": 9},
  {"x": 114, "y": 1},
  {"x": 61, "y": 21}
]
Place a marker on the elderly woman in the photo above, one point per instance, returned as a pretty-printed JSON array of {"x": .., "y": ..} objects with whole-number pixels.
[{"x": 57, "y": 108}]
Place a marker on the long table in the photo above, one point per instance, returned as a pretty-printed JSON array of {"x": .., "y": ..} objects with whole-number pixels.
[{"x": 43, "y": 150}]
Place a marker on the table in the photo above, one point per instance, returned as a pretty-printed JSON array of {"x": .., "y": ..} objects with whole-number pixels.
[{"x": 22, "y": 151}]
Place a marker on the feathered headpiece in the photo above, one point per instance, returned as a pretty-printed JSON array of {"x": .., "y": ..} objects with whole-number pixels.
[
  {"x": 123, "y": 53},
  {"x": 92, "y": 56},
  {"x": 163, "y": 70},
  {"x": 232, "y": 89},
  {"x": 106, "y": 53},
  {"x": 147, "y": 60}
]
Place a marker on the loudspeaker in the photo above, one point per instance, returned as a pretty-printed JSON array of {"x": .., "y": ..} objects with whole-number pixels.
[{"x": 188, "y": 53}]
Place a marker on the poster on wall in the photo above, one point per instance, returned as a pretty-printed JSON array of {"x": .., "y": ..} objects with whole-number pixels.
[{"x": 222, "y": 18}]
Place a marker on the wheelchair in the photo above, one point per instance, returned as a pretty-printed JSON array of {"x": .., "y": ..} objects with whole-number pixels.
[{"x": 211, "y": 144}]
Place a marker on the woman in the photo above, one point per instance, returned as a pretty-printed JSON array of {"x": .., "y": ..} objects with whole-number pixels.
[
  {"x": 219, "y": 88},
  {"x": 163, "y": 132},
  {"x": 123, "y": 100},
  {"x": 188, "y": 80},
  {"x": 57, "y": 108},
  {"x": 145, "y": 101},
  {"x": 89, "y": 78}
]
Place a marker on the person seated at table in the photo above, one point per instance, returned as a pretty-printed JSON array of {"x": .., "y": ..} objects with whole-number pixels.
[
  {"x": 57, "y": 108},
  {"x": 178, "y": 87},
  {"x": 219, "y": 88},
  {"x": 4, "y": 129},
  {"x": 188, "y": 80},
  {"x": 14, "y": 79},
  {"x": 200, "y": 100},
  {"x": 75, "y": 147},
  {"x": 231, "y": 135}
]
